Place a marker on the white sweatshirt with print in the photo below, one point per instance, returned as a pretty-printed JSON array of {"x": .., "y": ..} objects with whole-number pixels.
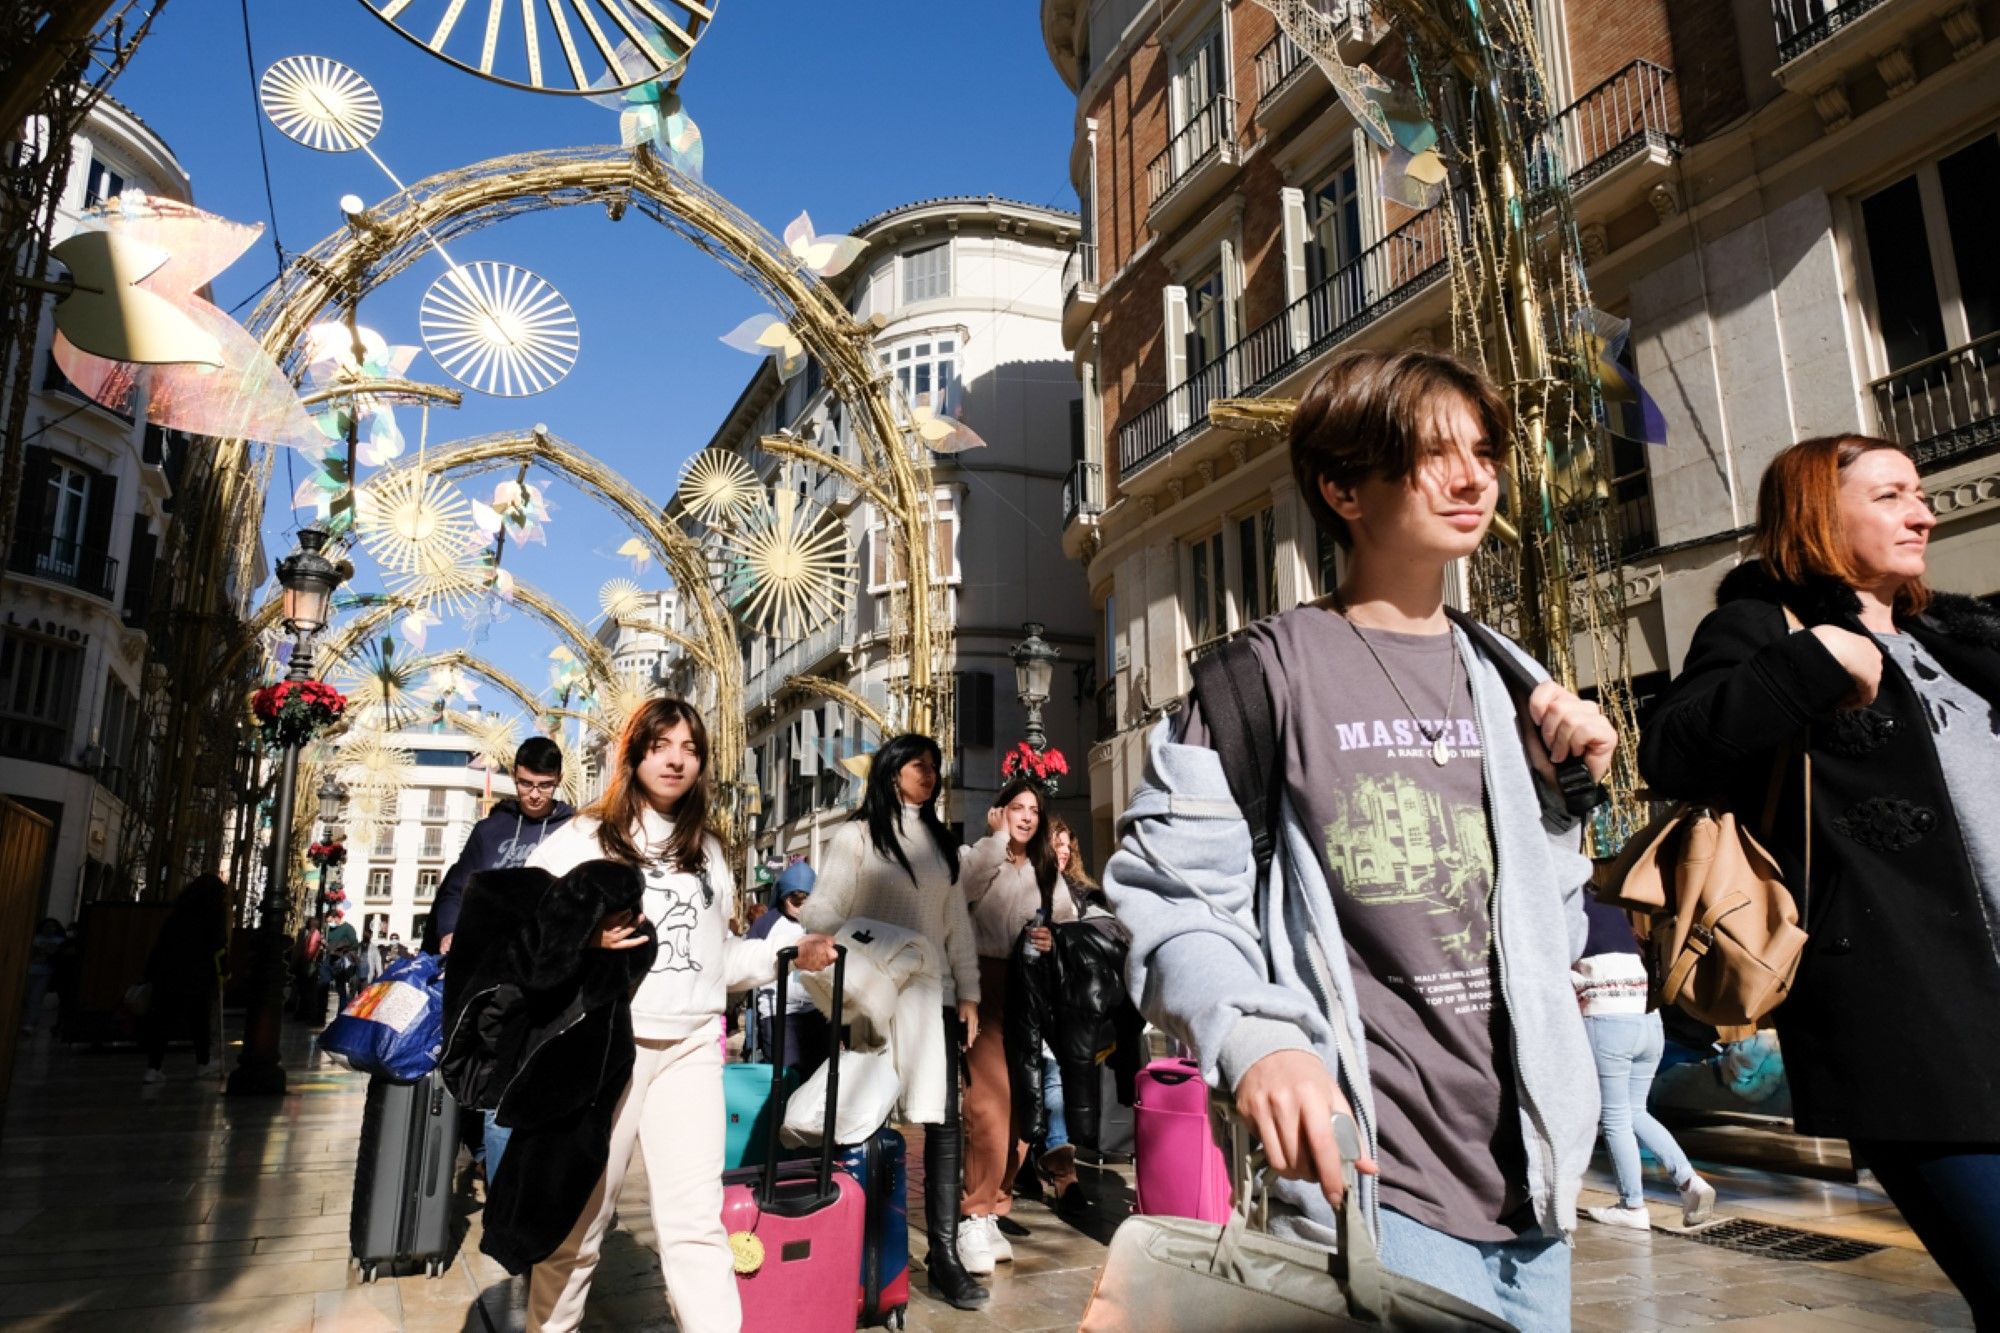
[{"x": 699, "y": 961}]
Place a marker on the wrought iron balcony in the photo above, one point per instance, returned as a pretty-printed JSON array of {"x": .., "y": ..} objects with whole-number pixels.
[
  {"x": 1945, "y": 407},
  {"x": 1627, "y": 114},
  {"x": 1209, "y": 136},
  {"x": 44, "y": 555},
  {"x": 1079, "y": 288},
  {"x": 1280, "y": 59},
  {"x": 1376, "y": 281},
  {"x": 1083, "y": 491},
  {"x": 1804, "y": 24}
]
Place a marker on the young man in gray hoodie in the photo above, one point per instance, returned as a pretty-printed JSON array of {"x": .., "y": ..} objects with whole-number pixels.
[{"x": 1406, "y": 957}]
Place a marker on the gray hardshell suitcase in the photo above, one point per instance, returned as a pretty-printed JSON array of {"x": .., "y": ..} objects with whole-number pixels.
[{"x": 402, "y": 1178}]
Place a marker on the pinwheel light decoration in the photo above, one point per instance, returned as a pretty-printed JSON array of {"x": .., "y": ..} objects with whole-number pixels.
[
  {"x": 719, "y": 486},
  {"x": 635, "y": 550},
  {"x": 788, "y": 567},
  {"x": 137, "y": 271},
  {"x": 333, "y": 368},
  {"x": 449, "y": 684},
  {"x": 825, "y": 255},
  {"x": 650, "y": 112},
  {"x": 519, "y": 510},
  {"x": 1626, "y": 408},
  {"x": 767, "y": 335},
  {"x": 943, "y": 434},
  {"x": 413, "y": 522}
]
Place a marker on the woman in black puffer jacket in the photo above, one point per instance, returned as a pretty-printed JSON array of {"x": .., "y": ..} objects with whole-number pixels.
[{"x": 1894, "y": 693}]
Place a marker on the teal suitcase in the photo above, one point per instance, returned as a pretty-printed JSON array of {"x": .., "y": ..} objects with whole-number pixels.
[{"x": 746, "y": 1095}]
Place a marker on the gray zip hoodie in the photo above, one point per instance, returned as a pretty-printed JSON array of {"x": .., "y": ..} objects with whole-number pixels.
[{"x": 1237, "y": 978}]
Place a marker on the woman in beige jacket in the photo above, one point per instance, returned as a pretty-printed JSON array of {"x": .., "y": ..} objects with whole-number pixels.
[{"x": 1009, "y": 878}]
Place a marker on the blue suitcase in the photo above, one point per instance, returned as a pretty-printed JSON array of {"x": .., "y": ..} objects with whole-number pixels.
[
  {"x": 881, "y": 1165},
  {"x": 746, "y": 1095}
]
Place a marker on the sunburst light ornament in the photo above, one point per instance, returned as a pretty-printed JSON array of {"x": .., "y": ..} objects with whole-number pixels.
[
  {"x": 789, "y": 566},
  {"x": 320, "y": 103},
  {"x": 371, "y": 760},
  {"x": 380, "y": 685},
  {"x": 720, "y": 485},
  {"x": 621, "y": 599},
  {"x": 412, "y": 521},
  {"x": 499, "y": 329}
]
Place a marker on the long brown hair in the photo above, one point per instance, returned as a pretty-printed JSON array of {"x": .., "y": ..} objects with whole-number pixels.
[
  {"x": 619, "y": 811},
  {"x": 1799, "y": 531},
  {"x": 1040, "y": 851},
  {"x": 1077, "y": 875}
]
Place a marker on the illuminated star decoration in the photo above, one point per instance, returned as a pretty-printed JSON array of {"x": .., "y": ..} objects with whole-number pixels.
[
  {"x": 825, "y": 255},
  {"x": 767, "y": 335},
  {"x": 1628, "y": 410},
  {"x": 228, "y": 388},
  {"x": 719, "y": 485},
  {"x": 788, "y": 567},
  {"x": 412, "y": 521}
]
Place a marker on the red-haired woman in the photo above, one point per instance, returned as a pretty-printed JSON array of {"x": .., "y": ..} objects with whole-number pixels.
[
  {"x": 654, "y": 815},
  {"x": 1894, "y": 692}
]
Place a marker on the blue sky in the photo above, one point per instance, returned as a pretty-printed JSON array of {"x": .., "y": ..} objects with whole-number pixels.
[{"x": 842, "y": 110}]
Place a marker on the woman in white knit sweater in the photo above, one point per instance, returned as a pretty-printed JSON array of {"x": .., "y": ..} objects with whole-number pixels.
[
  {"x": 894, "y": 862},
  {"x": 654, "y": 815}
]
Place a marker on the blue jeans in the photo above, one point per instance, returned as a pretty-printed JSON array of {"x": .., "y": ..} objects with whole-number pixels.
[
  {"x": 1524, "y": 1281},
  {"x": 1052, "y": 1099},
  {"x": 495, "y": 1142},
  {"x": 1949, "y": 1193},
  {"x": 1627, "y": 1047}
]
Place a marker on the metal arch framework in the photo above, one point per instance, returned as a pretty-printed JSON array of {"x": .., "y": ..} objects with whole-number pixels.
[
  {"x": 676, "y": 551},
  {"x": 385, "y": 240},
  {"x": 840, "y": 694}
]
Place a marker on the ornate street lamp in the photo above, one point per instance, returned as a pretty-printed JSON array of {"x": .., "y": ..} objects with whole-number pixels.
[
  {"x": 332, "y": 795},
  {"x": 1034, "y": 666},
  {"x": 308, "y": 579}
]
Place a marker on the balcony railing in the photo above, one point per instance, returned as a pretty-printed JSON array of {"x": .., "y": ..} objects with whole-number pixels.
[
  {"x": 1804, "y": 24},
  {"x": 31, "y": 739},
  {"x": 46, "y": 556},
  {"x": 1626, "y": 114},
  {"x": 1199, "y": 140},
  {"x": 1280, "y": 58},
  {"x": 1946, "y": 406},
  {"x": 1379, "y": 279},
  {"x": 1083, "y": 491},
  {"x": 1079, "y": 270},
  {"x": 797, "y": 656}
]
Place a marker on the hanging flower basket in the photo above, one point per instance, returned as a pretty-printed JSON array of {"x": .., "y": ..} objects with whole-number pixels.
[
  {"x": 1044, "y": 767},
  {"x": 293, "y": 712},
  {"x": 327, "y": 853}
]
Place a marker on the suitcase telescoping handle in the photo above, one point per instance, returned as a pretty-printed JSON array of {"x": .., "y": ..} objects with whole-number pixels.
[{"x": 768, "y": 1196}]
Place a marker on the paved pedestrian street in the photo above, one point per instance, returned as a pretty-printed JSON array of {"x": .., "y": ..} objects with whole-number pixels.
[{"x": 138, "y": 1208}]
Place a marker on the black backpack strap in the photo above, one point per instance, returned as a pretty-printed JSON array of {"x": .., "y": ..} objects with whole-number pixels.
[
  {"x": 1243, "y": 730},
  {"x": 1580, "y": 792}
]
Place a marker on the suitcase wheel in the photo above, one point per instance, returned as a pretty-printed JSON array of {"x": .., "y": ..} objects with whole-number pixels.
[
  {"x": 897, "y": 1318},
  {"x": 433, "y": 1268},
  {"x": 368, "y": 1272}
]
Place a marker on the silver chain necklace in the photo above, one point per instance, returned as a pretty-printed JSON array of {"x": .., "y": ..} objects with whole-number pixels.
[{"x": 1440, "y": 755}]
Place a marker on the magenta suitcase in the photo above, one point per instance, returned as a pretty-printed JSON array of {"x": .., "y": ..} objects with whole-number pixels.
[
  {"x": 801, "y": 1222},
  {"x": 1181, "y": 1170}
]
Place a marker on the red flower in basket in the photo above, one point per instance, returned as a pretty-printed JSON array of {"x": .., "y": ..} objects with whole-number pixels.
[
  {"x": 1044, "y": 767},
  {"x": 327, "y": 853},
  {"x": 292, "y": 712}
]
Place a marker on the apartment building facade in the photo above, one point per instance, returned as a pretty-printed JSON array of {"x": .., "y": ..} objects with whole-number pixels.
[
  {"x": 964, "y": 296},
  {"x": 78, "y": 589},
  {"x": 1779, "y": 194},
  {"x": 394, "y": 869}
]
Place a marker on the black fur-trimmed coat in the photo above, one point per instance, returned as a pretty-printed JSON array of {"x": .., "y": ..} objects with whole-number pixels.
[
  {"x": 1887, "y": 1033},
  {"x": 538, "y": 1028}
]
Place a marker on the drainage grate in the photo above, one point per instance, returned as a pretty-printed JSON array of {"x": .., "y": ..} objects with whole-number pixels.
[{"x": 1780, "y": 1242}]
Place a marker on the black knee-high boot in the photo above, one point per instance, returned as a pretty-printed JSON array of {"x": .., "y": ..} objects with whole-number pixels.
[{"x": 944, "y": 1165}]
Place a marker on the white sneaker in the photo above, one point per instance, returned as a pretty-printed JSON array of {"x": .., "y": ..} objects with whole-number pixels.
[
  {"x": 975, "y": 1255},
  {"x": 154, "y": 1076},
  {"x": 997, "y": 1242},
  {"x": 1697, "y": 1202},
  {"x": 1638, "y": 1219}
]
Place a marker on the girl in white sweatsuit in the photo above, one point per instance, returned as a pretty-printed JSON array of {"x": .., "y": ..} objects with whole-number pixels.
[{"x": 654, "y": 815}]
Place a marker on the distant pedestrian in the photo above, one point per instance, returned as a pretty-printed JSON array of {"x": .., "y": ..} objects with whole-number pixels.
[
  {"x": 807, "y": 1034},
  {"x": 48, "y": 942},
  {"x": 340, "y": 960},
  {"x": 183, "y": 973},
  {"x": 1889, "y": 693},
  {"x": 1611, "y": 986}
]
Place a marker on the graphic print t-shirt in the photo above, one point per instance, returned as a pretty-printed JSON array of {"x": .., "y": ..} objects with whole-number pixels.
[{"x": 1408, "y": 855}]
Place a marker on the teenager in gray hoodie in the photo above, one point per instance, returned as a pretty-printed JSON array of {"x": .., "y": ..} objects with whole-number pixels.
[{"x": 1407, "y": 958}]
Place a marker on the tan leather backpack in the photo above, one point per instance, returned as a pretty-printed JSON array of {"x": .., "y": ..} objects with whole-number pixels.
[{"x": 1721, "y": 931}]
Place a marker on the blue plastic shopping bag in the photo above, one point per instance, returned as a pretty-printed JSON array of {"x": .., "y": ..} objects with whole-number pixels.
[{"x": 395, "y": 1027}]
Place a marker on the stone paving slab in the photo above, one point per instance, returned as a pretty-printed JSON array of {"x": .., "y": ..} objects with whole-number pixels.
[{"x": 165, "y": 1207}]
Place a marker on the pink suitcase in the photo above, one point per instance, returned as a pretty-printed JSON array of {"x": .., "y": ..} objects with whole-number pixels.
[
  {"x": 803, "y": 1219},
  {"x": 1181, "y": 1170}
]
